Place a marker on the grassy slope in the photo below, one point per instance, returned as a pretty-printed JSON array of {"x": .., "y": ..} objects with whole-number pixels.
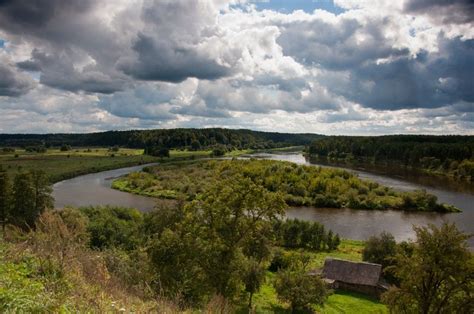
[
  {"x": 26, "y": 287},
  {"x": 266, "y": 300}
]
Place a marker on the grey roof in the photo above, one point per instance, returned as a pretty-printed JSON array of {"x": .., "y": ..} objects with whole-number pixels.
[{"x": 352, "y": 272}]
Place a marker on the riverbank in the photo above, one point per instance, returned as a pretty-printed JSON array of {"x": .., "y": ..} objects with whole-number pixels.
[
  {"x": 299, "y": 185},
  {"x": 461, "y": 173},
  {"x": 62, "y": 165}
]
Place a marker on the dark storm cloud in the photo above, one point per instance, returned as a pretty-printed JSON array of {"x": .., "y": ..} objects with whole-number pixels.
[
  {"x": 336, "y": 46},
  {"x": 163, "y": 61},
  {"x": 428, "y": 81},
  {"x": 58, "y": 71},
  {"x": 444, "y": 11},
  {"x": 13, "y": 83},
  {"x": 20, "y": 16},
  {"x": 360, "y": 64}
]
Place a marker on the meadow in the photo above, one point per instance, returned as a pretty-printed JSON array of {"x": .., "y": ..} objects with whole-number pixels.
[{"x": 60, "y": 165}]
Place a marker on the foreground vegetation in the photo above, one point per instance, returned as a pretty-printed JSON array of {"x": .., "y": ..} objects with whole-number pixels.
[
  {"x": 446, "y": 155},
  {"x": 225, "y": 250},
  {"x": 108, "y": 259},
  {"x": 299, "y": 185}
]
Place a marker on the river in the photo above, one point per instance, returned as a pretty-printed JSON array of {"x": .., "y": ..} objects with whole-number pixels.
[{"x": 94, "y": 189}]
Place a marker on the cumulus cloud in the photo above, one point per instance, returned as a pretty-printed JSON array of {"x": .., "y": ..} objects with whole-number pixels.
[
  {"x": 12, "y": 82},
  {"x": 444, "y": 11},
  {"x": 398, "y": 66}
]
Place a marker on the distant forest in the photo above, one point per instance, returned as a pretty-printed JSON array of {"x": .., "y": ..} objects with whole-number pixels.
[
  {"x": 450, "y": 154},
  {"x": 194, "y": 139}
]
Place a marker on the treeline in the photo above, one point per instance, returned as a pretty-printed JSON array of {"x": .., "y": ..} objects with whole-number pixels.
[
  {"x": 295, "y": 233},
  {"x": 193, "y": 139},
  {"x": 299, "y": 185},
  {"x": 453, "y": 155},
  {"x": 24, "y": 199}
]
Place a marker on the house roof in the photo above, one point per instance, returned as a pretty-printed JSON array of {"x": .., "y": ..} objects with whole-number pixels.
[{"x": 352, "y": 272}]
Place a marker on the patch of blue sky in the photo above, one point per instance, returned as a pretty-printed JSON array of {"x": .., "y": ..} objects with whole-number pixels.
[
  {"x": 2, "y": 43},
  {"x": 288, "y": 6}
]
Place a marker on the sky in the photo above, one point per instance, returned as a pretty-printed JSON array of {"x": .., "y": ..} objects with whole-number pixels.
[{"x": 354, "y": 67}]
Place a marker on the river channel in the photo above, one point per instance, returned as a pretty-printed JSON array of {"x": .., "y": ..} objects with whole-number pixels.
[{"x": 95, "y": 189}]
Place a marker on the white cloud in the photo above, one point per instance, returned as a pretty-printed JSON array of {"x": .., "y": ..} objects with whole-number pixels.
[{"x": 380, "y": 66}]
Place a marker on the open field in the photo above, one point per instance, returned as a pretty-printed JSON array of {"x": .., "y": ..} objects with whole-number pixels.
[{"x": 61, "y": 165}]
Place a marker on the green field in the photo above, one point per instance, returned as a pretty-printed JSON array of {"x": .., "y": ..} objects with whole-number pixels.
[
  {"x": 61, "y": 165},
  {"x": 266, "y": 301}
]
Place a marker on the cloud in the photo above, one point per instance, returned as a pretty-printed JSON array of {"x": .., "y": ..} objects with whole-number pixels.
[
  {"x": 58, "y": 71},
  {"x": 159, "y": 61},
  {"x": 444, "y": 11},
  {"x": 376, "y": 65},
  {"x": 12, "y": 82}
]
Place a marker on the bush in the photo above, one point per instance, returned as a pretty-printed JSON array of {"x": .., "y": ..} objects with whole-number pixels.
[
  {"x": 380, "y": 249},
  {"x": 65, "y": 148},
  {"x": 113, "y": 227},
  {"x": 295, "y": 286}
]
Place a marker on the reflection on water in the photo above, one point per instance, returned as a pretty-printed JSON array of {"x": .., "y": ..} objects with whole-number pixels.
[
  {"x": 94, "y": 189},
  {"x": 360, "y": 224}
]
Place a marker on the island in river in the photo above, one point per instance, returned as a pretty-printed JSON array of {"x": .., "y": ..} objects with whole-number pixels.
[{"x": 300, "y": 185}]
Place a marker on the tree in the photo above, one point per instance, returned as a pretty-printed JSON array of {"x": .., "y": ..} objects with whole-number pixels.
[
  {"x": 253, "y": 278},
  {"x": 158, "y": 151},
  {"x": 23, "y": 213},
  {"x": 437, "y": 277},
  {"x": 31, "y": 196},
  {"x": 208, "y": 250},
  {"x": 42, "y": 191},
  {"x": 301, "y": 290},
  {"x": 380, "y": 249},
  {"x": 232, "y": 212},
  {"x": 218, "y": 151},
  {"x": 5, "y": 199},
  {"x": 65, "y": 148}
]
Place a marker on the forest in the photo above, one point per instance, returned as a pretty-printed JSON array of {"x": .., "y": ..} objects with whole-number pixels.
[
  {"x": 192, "y": 139},
  {"x": 446, "y": 155},
  {"x": 299, "y": 185}
]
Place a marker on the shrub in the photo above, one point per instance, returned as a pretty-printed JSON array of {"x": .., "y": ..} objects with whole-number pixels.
[
  {"x": 113, "y": 227},
  {"x": 380, "y": 249}
]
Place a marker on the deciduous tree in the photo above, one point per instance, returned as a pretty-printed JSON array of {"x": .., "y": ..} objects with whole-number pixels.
[{"x": 438, "y": 276}]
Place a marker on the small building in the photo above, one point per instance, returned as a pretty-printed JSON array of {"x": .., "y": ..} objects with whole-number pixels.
[{"x": 359, "y": 277}]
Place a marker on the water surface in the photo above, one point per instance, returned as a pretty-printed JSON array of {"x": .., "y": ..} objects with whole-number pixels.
[
  {"x": 361, "y": 224},
  {"x": 94, "y": 189}
]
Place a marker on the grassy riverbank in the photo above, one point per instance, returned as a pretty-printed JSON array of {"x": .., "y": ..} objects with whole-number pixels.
[
  {"x": 300, "y": 185},
  {"x": 60, "y": 165}
]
